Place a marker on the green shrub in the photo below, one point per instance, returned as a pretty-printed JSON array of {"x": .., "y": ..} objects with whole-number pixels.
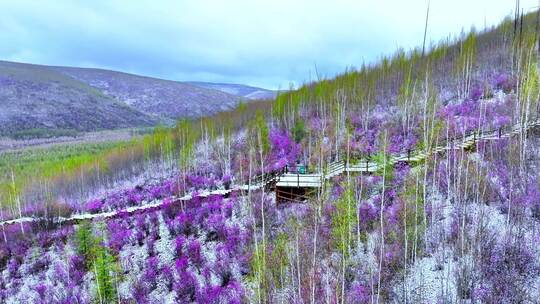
[
  {"x": 344, "y": 221},
  {"x": 299, "y": 130},
  {"x": 279, "y": 259},
  {"x": 42, "y": 133}
]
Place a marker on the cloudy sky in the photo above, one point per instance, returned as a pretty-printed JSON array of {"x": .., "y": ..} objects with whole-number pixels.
[{"x": 264, "y": 43}]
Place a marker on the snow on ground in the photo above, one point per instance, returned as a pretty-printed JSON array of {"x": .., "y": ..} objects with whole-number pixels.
[
  {"x": 54, "y": 275},
  {"x": 433, "y": 276}
]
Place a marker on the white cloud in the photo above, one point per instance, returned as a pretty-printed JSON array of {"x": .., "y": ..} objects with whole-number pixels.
[{"x": 266, "y": 43}]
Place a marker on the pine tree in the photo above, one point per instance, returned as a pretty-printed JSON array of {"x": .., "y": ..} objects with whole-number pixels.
[
  {"x": 85, "y": 243},
  {"x": 104, "y": 268}
]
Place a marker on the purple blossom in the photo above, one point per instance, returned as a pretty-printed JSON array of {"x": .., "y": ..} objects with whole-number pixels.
[
  {"x": 194, "y": 252},
  {"x": 284, "y": 150},
  {"x": 504, "y": 82},
  {"x": 94, "y": 206},
  {"x": 505, "y": 268},
  {"x": 41, "y": 289},
  {"x": 118, "y": 235},
  {"x": 179, "y": 245},
  {"x": 150, "y": 245},
  {"x": 134, "y": 198},
  {"x": 151, "y": 272},
  {"x": 367, "y": 139},
  {"x": 226, "y": 179},
  {"x": 184, "y": 223},
  {"x": 476, "y": 93},
  {"x": 13, "y": 267},
  {"x": 186, "y": 287},
  {"x": 140, "y": 292},
  {"x": 228, "y": 208},
  {"x": 181, "y": 264},
  {"x": 360, "y": 293},
  {"x": 76, "y": 268},
  {"x": 368, "y": 215},
  {"x": 156, "y": 192},
  {"x": 215, "y": 223},
  {"x": 501, "y": 120},
  {"x": 209, "y": 294},
  {"x": 168, "y": 276}
]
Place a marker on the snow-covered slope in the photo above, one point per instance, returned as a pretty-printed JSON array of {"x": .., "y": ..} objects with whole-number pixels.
[{"x": 245, "y": 91}]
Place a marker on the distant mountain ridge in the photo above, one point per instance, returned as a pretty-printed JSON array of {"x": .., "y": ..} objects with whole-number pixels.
[
  {"x": 162, "y": 98},
  {"x": 246, "y": 91},
  {"x": 33, "y": 97},
  {"x": 38, "y": 97}
]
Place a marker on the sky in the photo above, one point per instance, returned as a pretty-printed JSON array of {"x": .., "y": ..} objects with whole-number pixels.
[{"x": 271, "y": 44}]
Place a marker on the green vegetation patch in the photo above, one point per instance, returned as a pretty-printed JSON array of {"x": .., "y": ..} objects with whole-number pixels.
[
  {"x": 20, "y": 168},
  {"x": 42, "y": 133}
]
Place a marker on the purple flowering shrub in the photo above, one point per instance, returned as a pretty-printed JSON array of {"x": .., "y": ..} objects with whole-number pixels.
[
  {"x": 402, "y": 143},
  {"x": 474, "y": 113},
  {"x": 365, "y": 140},
  {"x": 532, "y": 199},
  {"x": 119, "y": 234},
  {"x": 197, "y": 182},
  {"x": 506, "y": 270},
  {"x": 448, "y": 179},
  {"x": 77, "y": 268},
  {"x": 368, "y": 216},
  {"x": 94, "y": 206},
  {"x": 190, "y": 182},
  {"x": 19, "y": 257},
  {"x": 507, "y": 186},
  {"x": 151, "y": 271},
  {"x": 209, "y": 246},
  {"x": 360, "y": 293},
  {"x": 477, "y": 92},
  {"x": 135, "y": 196},
  {"x": 194, "y": 225},
  {"x": 40, "y": 209},
  {"x": 284, "y": 150},
  {"x": 504, "y": 82},
  {"x": 365, "y": 222}
]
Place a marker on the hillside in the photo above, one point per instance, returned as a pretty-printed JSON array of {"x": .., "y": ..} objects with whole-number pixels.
[
  {"x": 38, "y": 100},
  {"x": 33, "y": 97},
  {"x": 411, "y": 180},
  {"x": 162, "y": 98}
]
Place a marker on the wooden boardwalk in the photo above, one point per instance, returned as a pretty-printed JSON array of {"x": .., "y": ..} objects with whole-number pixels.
[
  {"x": 315, "y": 180},
  {"x": 302, "y": 181},
  {"x": 134, "y": 209}
]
